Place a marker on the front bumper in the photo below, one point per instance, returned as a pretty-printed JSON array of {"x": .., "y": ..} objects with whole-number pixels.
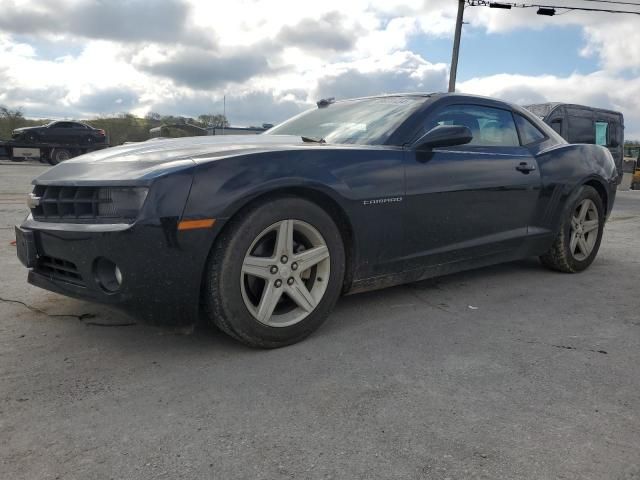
[{"x": 161, "y": 267}]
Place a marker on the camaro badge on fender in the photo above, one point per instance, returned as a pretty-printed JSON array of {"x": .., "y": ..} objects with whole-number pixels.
[{"x": 377, "y": 201}]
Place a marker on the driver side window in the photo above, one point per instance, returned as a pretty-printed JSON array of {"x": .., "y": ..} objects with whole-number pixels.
[{"x": 489, "y": 126}]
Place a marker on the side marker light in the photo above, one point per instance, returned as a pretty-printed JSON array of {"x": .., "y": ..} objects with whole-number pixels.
[{"x": 195, "y": 224}]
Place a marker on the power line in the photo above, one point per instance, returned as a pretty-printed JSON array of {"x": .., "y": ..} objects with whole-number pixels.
[
  {"x": 543, "y": 9},
  {"x": 487, "y": 3},
  {"x": 614, "y": 2}
]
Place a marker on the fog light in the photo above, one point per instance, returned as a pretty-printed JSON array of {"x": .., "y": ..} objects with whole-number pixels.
[{"x": 108, "y": 275}]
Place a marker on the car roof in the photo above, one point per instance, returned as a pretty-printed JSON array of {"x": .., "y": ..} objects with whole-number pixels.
[
  {"x": 69, "y": 121},
  {"x": 431, "y": 96}
]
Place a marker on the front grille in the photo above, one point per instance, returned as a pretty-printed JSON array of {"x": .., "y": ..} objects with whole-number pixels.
[
  {"x": 63, "y": 203},
  {"x": 52, "y": 203},
  {"x": 58, "y": 269}
]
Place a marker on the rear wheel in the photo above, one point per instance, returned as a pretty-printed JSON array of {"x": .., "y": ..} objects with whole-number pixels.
[
  {"x": 578, "y": 241},
  {"x": 59, "y": 155},
  {"x": 276, "y": 273}
]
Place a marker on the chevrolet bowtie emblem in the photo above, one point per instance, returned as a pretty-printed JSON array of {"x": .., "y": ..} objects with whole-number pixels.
[{"x": 33, "y": 200}]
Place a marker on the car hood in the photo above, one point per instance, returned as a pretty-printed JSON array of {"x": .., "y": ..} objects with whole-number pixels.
[
  {"x": 22, "y": 129},
  {"x": 143, "y": 161},
  {"x": 197, "y": 148}
]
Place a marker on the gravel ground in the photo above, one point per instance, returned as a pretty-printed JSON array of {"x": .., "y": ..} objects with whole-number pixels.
[{"x": 510, "y": 372}]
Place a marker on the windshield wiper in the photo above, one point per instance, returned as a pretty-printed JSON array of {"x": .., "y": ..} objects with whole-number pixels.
[{"x": 312, "y": 139}]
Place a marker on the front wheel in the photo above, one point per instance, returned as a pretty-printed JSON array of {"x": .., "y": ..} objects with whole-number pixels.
[
  {"x": 276, "y": 273},
  {"x": 578, "y": 241}
]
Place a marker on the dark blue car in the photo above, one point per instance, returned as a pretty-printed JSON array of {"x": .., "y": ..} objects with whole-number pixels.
[{"x": 261, "y": 234}]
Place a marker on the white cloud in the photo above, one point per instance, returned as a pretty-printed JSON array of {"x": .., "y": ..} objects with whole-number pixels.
[
  {"x": 274, "y": 58},
  {"x": 401, "y": 71},
  {"x": 599, "y": 89}
]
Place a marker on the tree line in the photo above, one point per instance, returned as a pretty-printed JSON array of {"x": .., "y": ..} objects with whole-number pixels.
[
  {"x": 120, "y": 128},
  {"x": 125, "y": 127}
]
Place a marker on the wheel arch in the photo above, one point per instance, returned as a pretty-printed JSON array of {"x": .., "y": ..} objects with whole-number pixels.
[
  {"x": 315, "y": 195},
  {"x": 556, "y": 257},
  {"x": 599, "y": 186},
  {"x": 568, "y": 190},
  {"x": 594, "y": 182}
]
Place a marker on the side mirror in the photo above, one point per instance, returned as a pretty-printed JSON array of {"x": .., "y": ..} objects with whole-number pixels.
[{"x": 444, "y": 136}]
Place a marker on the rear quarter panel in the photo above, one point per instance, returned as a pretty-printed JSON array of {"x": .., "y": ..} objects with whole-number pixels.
[{"x": 563, "y": 169}]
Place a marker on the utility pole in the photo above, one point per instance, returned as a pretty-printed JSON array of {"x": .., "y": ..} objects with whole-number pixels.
[{"x": 456, "y": 47}]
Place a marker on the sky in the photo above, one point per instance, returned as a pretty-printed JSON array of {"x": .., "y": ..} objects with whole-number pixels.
[{"x": 272, "y": 59}]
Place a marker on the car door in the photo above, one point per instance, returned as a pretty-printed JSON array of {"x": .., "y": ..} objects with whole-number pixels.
[
  {"x": 68, "y": 132},
  {"x": 57, "y": 132},
  {"x": 51, "y": 133},
  {"x": 79, "y": 133},
  {"x": 469, "y": 200}
]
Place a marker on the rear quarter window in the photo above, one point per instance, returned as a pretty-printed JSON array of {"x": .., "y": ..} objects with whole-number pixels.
[{"x": 529, "y": 133}]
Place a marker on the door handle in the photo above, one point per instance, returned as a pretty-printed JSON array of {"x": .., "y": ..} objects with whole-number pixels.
[{"x": 525, "y": 168}]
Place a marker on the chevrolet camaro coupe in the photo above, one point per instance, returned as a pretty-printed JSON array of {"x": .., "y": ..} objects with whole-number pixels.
[
  {"x": 261, "y": 234},
  {"x": 61, "y": 132}
]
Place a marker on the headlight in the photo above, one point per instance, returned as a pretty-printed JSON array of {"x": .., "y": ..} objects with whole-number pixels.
[{"x": 121, "y": 202}]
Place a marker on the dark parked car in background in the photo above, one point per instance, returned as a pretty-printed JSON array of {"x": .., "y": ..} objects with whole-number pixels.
[
  {"x": 261, "y": 234},
  {"x": 582, "y": 124},
  {"x": 61, "y": 132}
]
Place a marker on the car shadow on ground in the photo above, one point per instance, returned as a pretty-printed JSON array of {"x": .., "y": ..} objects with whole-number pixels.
[{"x": 94, "y": 323}]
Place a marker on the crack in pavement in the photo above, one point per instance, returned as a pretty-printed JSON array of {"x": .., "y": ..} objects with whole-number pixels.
[
  {"x": 565, "y": 347},
  {"x": 38, "y": 310},
  {"x": 417, "y": 296},
  {"x": 81, "y": 317},
  {"x": 623, "y": 218}
]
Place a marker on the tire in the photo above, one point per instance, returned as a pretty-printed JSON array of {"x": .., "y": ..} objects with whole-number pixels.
[
  {"x": 575, "y": 247},
  {"x": 59, "y": 155},
  {"x": 234, "y": 298}
]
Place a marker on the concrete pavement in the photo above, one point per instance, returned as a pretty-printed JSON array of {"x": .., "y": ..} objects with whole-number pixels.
[{"x": 508, "y": 372}]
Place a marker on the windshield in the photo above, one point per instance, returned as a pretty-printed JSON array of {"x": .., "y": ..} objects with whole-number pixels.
[{"x": 368, "y": 121}]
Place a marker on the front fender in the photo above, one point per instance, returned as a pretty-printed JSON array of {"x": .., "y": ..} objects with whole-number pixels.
[{"x": 348, "y": 176}]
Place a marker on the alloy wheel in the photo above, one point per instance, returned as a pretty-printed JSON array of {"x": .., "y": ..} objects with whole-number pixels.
[
  {"x": 585, "y": 224},
  {"x": 285, "y": 273}
]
